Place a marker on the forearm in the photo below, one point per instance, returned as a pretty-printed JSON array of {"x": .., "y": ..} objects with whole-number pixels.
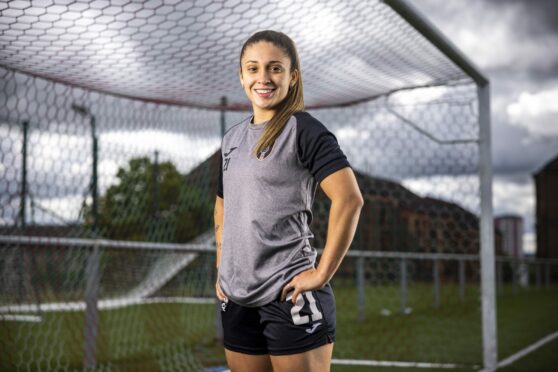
[
  {"x": 218, "y": 220},
  {"x": 343, "y": 220},
  {"x": 218, "y": 217},
  {"x": 218, "y": 243}
]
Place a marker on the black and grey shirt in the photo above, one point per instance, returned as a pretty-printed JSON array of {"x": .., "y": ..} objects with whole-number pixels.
[{"x": 267, "y": 205}]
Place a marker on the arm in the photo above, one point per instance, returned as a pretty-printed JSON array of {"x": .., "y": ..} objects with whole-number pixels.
[
  {"x": 346, "y": 203},
  {"x": 218, "y": 220},
  {"x": 342, "y": 189}
]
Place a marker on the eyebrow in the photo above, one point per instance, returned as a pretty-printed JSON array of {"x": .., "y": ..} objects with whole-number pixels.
[{"x": 269, "y": 62}]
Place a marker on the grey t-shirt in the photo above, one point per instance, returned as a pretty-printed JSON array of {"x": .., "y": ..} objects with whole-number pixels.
[{"x": 267, "y": 205}]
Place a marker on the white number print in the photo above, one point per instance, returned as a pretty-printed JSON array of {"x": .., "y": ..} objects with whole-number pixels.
[{"x": 295, "y": 310}]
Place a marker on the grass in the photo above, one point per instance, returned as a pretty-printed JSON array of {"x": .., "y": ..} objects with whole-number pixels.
[
  {"x": 525, "y": 318},
  {"x": 542, "y": 360},
  {"x": 171, "y": 336},
  {"x": 146, "y": 337},
  {"x": 448, "y": 333}
]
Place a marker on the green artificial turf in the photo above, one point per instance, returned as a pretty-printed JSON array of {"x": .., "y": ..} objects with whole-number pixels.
[{"x": 173, "y": 336}]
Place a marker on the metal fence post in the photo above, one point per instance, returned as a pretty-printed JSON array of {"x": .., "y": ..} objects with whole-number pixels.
[
  {"x": 547, "y": 274},
  {"x": 538, "y": 274},
  {"x": 515, "y": 269},
  {"x": 91, "y": 313},
  {"x": 461, "y": 280},
  {"x": 500, "y": 276},
  {"x": 403, "y": 286},
  {"x": 360, "y": 287},
  {"x": 436, "y": 277}
]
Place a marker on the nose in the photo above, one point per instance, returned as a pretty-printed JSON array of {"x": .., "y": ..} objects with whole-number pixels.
[{"x": 263, "y": 78}]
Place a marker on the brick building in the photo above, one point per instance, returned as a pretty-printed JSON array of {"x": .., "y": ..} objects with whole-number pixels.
[{"x": 546, "y": 186}]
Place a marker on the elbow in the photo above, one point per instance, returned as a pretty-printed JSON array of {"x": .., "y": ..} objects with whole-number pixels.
[
  {"x": 348, "y": 199},
  {"x": 356, "y": 201},
  {"x": 359, "y": 201}
]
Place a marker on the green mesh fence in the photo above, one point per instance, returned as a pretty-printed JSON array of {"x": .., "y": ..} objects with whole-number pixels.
[{"x": 111, "y": 117}]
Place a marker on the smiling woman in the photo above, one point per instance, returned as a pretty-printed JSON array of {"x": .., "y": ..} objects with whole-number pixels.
[
  {"x": 266, "y": 76},
  {"x": 270, "y": 75},
  {"x": 278, "y": 309}
]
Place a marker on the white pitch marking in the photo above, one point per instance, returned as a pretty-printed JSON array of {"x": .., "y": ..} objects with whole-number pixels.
[
  {"x": 20, "y": 318},
  {"x": 521, "y": 353},
  {"x": 386, "y": 363},
  {"x": 102, "y": 304}
]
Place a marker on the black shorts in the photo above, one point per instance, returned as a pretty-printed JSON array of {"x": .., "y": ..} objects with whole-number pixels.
[{"x": 280, "y": 327}]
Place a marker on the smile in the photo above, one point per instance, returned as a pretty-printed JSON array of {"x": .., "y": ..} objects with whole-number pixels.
[{"x": 265, "y": 93}]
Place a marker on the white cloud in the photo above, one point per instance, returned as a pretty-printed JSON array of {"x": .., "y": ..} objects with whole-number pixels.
[
  {"x": 538, "y": 112},
  {"x": 183, "y": 150},
  {"x": 66, "y": 208},
  {"x": 419, "y": 96},
  {"x": 529, "y": 243},
  {"x": 461, "y": 190},
  {"x": 513, "y": 198},
  {"x": 351, "y": 133},
  {"x": 49, "y": 151}
]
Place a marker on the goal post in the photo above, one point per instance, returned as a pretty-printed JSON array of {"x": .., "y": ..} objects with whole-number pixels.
[{"x": 487, "y": 251}]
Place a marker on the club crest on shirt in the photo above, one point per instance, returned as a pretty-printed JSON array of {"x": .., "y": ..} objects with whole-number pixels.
[
  {"x": 265, "y": 152},
  {"x": 228, "y": 159}
]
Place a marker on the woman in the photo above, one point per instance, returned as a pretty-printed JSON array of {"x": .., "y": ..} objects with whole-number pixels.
[{"x": 278, "y": 309}]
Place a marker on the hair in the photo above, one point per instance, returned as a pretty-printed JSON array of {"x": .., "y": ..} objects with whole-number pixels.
[{"x": 293, "y": 102}]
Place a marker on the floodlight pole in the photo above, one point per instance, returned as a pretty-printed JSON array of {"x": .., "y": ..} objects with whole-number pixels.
[
  {"x": 91, "y": 325},
  {"x": 84, "y": 111}
]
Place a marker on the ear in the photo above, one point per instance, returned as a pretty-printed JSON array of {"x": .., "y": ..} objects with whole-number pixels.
[
  {"x": 240, "y": 77},
  {"x": 294, "y": 78}
]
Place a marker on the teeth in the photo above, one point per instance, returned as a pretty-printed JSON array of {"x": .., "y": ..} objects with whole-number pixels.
[{"x": 264, "y": 90}]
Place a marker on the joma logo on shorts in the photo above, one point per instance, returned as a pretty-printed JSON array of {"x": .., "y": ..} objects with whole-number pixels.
[{"x": 314, "y": 326}]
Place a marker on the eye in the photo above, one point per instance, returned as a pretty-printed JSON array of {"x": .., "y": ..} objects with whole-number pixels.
[{"x": 276, "y": 69}]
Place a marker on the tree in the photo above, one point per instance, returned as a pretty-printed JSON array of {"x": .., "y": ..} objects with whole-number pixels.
[{"x": 170, "y": 208}]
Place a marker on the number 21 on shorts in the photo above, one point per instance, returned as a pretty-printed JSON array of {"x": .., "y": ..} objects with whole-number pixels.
[{"x": 295, "y": 310}]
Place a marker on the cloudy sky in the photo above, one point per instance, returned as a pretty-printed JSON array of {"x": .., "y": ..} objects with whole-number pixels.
[{"x": 514, "y": 43}]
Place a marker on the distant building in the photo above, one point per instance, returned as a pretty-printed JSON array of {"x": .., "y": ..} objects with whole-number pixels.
[
  {"x": 394, "y": 219},
  {"x": 546, "y": 184},
  {"x": 511, "y": 227},
  {"x": 511, "y": 230}
]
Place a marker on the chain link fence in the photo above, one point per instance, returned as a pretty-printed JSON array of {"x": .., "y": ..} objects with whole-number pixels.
[{"x": 116, "y": 306}]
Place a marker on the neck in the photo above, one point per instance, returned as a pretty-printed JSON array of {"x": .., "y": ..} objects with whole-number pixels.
[{"x": 260, "y": 117}]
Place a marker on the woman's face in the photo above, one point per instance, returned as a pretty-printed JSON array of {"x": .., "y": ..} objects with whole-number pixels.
[{"x": 265, "y": 76}]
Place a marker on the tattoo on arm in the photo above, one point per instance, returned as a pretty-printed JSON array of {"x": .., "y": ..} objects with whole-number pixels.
[{"x": 217, "y": 227}]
